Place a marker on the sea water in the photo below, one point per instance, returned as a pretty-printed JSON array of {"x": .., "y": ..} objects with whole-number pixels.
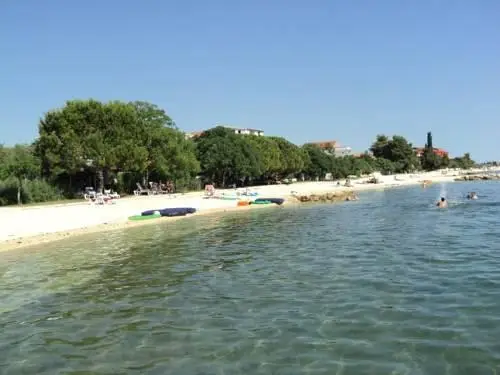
[{"x": 385, "y": 285}]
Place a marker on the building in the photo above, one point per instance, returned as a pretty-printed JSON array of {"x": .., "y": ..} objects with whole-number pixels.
[
  {"x": 438, "y": 151},
  {"x": 247, "y": 131},
  {"x": 193, "y": 134},
  {"x": 332, "y": 147}
]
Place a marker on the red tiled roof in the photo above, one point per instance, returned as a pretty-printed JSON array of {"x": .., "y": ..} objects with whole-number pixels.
[
  {"x": 436, "y": 150},
  {"x": 325, "y": 144}
]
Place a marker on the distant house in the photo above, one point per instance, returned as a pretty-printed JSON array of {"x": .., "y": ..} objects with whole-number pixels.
[
  {"x": 247, "y": 131},
  {"x": 193, "y": 134},
  {"x": 438, "y": 151},
  {"x": 332, "y": 148}
]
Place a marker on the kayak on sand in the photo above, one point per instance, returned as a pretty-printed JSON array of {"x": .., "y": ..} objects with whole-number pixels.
[{"x": 175, "y": 211}]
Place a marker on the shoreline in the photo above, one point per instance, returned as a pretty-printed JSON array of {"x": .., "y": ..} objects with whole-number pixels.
[
  {"x": 29, "y": 226},
  {"x": 39, "y": 239}
]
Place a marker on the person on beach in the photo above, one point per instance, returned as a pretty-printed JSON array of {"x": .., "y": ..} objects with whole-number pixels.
[{"x": 442, "y": 203}]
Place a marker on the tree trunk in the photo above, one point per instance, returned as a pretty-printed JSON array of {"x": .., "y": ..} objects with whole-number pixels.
[
  {"x": 99, "y": 180},
  {"x": 105, "y": 174},
  {"x": 145, "y": 178},
  {"x": 70, "y": 185},
  {"x": 19, "y": 186}
]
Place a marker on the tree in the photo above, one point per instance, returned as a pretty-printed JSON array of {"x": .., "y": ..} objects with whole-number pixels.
[
  {"x": 429, "y": 141},
  {"x": 270, "y": 156},
  {"x": 445, "y": 161},
  {"x": 292, "y": 157},
  {"x": 463, "y": 162},
  {"x": 384, "y": 166},
  {"x": 318, "y": 163},
  {"x": 167, "y": 152},
  {"x": 363, "y": 165},
  {"x": 227, "y": 158},
  {"x": 430, "y": 161},
  {"x": 3, "y": 163},
  {"x": 21, "y": 163},
  {"x": 87, "y": 134},
  {"x": 152, "y": 116},
  {"x": 397, "y": 150},
  {"x": 379, "y": 148},
  {"x": 105, "y": 138}
]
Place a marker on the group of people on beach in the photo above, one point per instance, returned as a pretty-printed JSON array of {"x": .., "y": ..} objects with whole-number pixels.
[{"x": 443, "y": 203}]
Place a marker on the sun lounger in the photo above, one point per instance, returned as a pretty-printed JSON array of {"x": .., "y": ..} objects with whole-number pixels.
[
  {"x": 142, "y": 191},
  {"x": 110, "y": 194}
]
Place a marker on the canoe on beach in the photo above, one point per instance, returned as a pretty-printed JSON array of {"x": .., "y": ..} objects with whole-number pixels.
[
  {"x": 278, "y": 201},
  {"x": 181, "y": 211},
  {"x": 175, "y": 211},
  {"x": 261, "y": 202}
]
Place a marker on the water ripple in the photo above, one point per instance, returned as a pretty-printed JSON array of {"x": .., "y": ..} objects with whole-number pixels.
[{"x": 386, "y": 285}]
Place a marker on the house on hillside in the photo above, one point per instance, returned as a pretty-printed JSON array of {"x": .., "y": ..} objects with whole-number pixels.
[
  {"x": 332, "y": 148},
  {"x": 247, "y": 131},
  {"x": 438, "y": 151}
]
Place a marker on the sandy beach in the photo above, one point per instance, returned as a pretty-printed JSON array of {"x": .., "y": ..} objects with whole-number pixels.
[{"x": 24, "y": 226}]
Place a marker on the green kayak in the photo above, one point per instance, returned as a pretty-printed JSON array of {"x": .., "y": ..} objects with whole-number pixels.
[
  {"x": 146, "y": 217},
  {"x": 262, "y": 202}
]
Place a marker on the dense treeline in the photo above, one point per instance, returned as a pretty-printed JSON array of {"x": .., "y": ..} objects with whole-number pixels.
[{"x": 116, "y": 145}]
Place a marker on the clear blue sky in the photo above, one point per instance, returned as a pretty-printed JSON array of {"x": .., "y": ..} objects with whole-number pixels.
[{"x": 305, "y": 70}]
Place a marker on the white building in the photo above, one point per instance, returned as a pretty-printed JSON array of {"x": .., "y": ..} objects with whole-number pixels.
[
  {"x": 333, "y": 148},
  {"x": 342, "y": 151},
  {"x": 247, "y": 131}
]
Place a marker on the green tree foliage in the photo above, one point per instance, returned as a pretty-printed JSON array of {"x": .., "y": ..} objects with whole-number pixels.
[
  {"x": 19, "y": 167},
  {"x": 227, "y": 158},
  {"x": 87, "y": 141},
  {"x": 429, "y": 141},
  {"x": 397, "y": 151},
  {"x": 318, "y": 163},
  {"x": 230, "y": 159},
  {"x": 380, "y": 147},
  {"x": 269, "y": 156},
  {"x": 430, "y": 161},
  {"x": 104, "y": 138},
  {"x": 292, "y": 158},
  {"x": 464, "y": 162}
]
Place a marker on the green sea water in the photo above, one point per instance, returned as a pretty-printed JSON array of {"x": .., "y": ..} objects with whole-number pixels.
[{"x": 385, "y": 285}]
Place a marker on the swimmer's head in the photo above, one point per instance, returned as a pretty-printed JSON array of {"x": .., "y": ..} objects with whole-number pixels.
[{"x": 442, "y": 199}]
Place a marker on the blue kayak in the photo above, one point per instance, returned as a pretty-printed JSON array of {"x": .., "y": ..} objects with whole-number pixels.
[
  {"x": 176, "y": 211},
  {"x": 278, "y": 201},
  {"x": 181, "y": 211}
]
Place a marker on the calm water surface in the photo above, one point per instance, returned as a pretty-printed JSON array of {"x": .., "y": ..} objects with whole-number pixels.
[{"x": 386, "y": 285}]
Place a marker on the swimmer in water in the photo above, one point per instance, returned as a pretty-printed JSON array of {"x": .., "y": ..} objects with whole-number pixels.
[
  {"x": 472, "y": 195},
  {"x": 442, "y": 203}
]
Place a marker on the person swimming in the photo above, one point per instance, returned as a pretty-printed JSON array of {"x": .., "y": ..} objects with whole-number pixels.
[
  {"x": 472, "y": 195},
  {"x": 352, "y": 197},
  {"x": 442, "y": 203}
]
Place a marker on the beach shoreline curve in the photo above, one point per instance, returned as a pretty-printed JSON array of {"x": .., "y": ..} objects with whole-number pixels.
[{"x": 25, "y": 227}]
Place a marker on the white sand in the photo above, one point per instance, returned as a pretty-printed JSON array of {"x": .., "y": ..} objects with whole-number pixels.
[{"x": 22, "y": 226}]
